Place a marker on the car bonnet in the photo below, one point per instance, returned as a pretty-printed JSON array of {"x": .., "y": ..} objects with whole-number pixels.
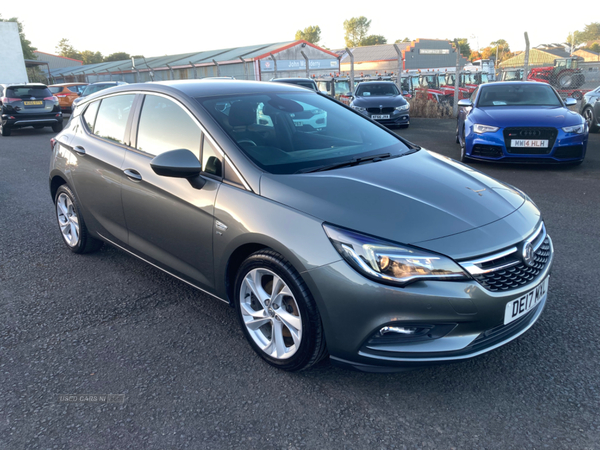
[{"x": 414, "y": 198}]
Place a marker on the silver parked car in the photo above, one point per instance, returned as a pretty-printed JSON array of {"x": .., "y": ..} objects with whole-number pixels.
[{"x": 345, "y": 241}]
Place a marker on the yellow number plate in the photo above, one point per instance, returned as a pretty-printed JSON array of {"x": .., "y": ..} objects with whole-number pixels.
[{"x": 37, "y": 102}]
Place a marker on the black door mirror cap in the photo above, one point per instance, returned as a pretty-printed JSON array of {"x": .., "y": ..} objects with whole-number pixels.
[{"x": 180, "y": 163}]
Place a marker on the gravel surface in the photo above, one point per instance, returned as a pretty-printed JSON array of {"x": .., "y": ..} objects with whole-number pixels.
[{"x": 182, "y": 376}]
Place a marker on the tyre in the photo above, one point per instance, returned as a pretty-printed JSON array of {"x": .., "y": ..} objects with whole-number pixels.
[
  {"x": 277, "y": 313},
  {"x": 5, "y": 130},
  {"x": 70, "y": 223},
  {"x": 588, "y": 115},
  {"x": 57, "y": 127},
  {"x": 463, "y": 148}
]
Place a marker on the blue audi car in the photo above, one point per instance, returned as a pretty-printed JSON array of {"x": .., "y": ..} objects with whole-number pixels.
[{"x": 520, "y": 122}]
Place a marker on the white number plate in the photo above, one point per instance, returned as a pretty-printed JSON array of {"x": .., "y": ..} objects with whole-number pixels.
[
  {"x": 522, "y": 305},
  {"x": 381, "y": 116},
  {"x": 541, "y": 143}
]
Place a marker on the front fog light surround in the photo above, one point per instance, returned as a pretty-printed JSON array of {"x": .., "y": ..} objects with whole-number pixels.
[
  {"x": 391, "y": 263},
  {"x": 480, "y": 129}
]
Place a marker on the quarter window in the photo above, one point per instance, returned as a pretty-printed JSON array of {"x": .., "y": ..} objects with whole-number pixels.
[
  {"x": 164, "y": 126},
  {"x": 90, "y": 115},
  {"x": 111, "y": 120}
]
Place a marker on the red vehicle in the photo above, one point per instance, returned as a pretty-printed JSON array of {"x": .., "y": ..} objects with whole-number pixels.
[
  {"x": 447, "y": 83},
  {"x": 565, "y": 76}
]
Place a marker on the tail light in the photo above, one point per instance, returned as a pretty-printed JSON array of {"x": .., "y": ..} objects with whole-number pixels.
[
  {"x": 9, "y": 100},
  {"x": 52, "y": 99},
  {"x": 60, "y": 95}
]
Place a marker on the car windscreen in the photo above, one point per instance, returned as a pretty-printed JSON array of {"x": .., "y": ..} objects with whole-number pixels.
[
  {"x": 92, "y": 88},
  {"x": 55, "y": 89},
  {"x": 286, "y": 133},
  {"x": 376, "y": 90},
  {"x": 518, "y": 95},
  {"x": 27, "y": 92}
]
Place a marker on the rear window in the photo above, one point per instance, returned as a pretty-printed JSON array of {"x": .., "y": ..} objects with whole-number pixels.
[
  {"x": 26, "y": 92},
  {"x": 55, "y": 89},
  {"x": 92, "y": 88}
]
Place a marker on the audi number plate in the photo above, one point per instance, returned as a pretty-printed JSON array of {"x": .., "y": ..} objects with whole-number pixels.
[
  {"x": 541, "y": 143},
  {"x": 522, "y": 305},
  {"x": 380, "y": 116}
]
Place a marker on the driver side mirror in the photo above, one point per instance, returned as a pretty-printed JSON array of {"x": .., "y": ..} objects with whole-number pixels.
[
  {"x": 465, "y": 103},
  {"x": 570, "y": 102},
  {"x": 180, "y": 163}
]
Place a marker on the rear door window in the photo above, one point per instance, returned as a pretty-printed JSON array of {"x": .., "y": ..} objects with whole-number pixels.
[
  {"x": 55, "y": 89},
  {"x": 111, "y": 120}
]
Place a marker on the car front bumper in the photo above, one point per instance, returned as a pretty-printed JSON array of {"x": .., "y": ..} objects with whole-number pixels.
[
  {"x": 355, "y": 309},
  {"x": 567, "y": 147}
]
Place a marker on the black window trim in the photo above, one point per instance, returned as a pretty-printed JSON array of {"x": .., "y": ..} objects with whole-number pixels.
[{"x": 126, "y": 134}]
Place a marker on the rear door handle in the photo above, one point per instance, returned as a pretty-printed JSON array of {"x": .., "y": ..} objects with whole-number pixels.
[
  {"x": 133, "y": 174},
  {"x": 79, "y": 149}
]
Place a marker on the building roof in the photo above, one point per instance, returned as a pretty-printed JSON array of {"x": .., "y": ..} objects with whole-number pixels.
[
  {"x": 185, "y": 60},
  {"x": 537, "y": 57},
  {"x": 384, "y": 52},
  {"x": 42, "y": 54}
]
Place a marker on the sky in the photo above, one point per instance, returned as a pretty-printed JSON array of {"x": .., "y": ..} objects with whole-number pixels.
[{"x": 173, "y": 27}]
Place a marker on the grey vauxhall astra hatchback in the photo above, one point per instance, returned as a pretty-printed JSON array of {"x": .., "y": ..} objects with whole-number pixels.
[{"x": 347, "y": 241}]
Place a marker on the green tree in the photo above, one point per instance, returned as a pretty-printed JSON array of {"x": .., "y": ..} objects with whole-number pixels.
[
  {"x": 119, "y": 56},
  {"x": 591, "y": 32},
  {"x": 373, "y": 39},
  {"x": 400, "y": 41},
  {"x": 356, "y": 30},
  {"x": 89, "y": 57},
  {"x": 64, "y": 48},
  {"x": 28, "y": 49},
  {"x": 465, "y": 48},
  {"x": 501, "y": 48},
  {"x": 595, "y": 47},
  {"x": 575, "y": 38},
  {"x": 310, "y": 34}
]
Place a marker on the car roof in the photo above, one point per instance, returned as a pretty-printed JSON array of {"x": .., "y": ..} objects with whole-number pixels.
[
  {"x": 206, "y": 88},
  {"x": 516, "y": 83},
  {"x": 68, "y": 84},
  {"x": 292, "y": 79},
  {"x": 25, "y": 85}
]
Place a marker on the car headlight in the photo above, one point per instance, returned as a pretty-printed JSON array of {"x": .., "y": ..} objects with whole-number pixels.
[
  {"x": 480, "y": 129},
  {"x": 359, "y": 108},
  {"x": 576, "y": 129},
  {"x": 403, "y": 107},
  {"x": 391, "y": 263}
]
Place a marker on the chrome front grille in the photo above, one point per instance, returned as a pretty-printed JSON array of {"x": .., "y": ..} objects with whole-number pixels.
[{"x": 508, "y": 269}]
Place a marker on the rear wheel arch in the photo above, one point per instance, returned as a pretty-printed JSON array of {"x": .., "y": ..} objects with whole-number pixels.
[{"x": 56, "y": 182}]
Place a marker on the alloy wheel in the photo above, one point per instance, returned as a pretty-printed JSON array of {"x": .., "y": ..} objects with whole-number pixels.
[
  {"x": 67, "y": 220},
  {"x": 270, "y": 313},
  {"x": 588, "y": 115}
]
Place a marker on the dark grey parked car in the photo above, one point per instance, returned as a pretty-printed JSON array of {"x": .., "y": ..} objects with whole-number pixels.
[
  {"x": 590, "y": 109},
  {"x": 28, "y": 105},
  {"x": 347, "y": 241},
  {"x": 383, "y": 102}
]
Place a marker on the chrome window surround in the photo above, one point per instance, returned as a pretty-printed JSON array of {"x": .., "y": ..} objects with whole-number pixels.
[{"x": 474, "y": 267}]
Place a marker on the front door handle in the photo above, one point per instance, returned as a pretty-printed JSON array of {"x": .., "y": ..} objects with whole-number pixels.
[
  {"x": 79, "y": 149},
  {"x": 133, "y": 174}
]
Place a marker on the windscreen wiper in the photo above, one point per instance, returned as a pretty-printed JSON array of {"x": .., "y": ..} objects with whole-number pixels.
[{"x": 349, "y": 163}]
